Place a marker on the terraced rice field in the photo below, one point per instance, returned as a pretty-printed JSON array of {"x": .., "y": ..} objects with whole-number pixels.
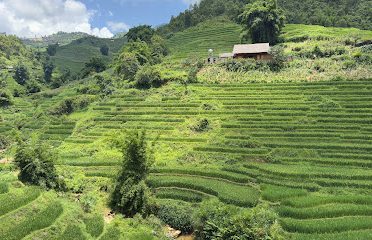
[{"x": 304, "y": 146}]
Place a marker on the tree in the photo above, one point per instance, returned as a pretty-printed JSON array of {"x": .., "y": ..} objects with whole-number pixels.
[
  {"x": 141, "y": 50},
  {"x": 131, "y": 194},
  {"x": 33, "y": 86},
  {"x": 52, "y": 49},
  {"x": 95, "y": 64},
  {"x": 21, "y": 75},
  {"x": 48, "y": 68},
  {"x": 147, "y": 77},
  {"x": 6, "y": 99},
  {"x": 127, "y": 65},
  {"x": 105, "y": 85},
  {"x": 140, "y": 33},
  {"x": 35, "y": 161},
  {"x": 263, "y": 21},
  {"x": 104, "y": 50}
]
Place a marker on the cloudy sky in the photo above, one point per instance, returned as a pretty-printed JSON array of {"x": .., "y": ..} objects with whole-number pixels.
[{"x": 103, "y": 18}]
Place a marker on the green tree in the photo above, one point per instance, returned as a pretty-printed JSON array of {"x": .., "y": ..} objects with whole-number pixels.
[
  {"x": 35, "y": 161},
  {"x": 95, "y": 65},
  {"x": 48, "y": 68},
  {"x": 127, "y": 65},
  {"x": 104, "y": 50},
  {"x": 6, "y": 99},
  {"x": 147, "y": 77},
  {"x": 21, "y": 75},
  {"x": 141, "y": 50},
  {"x": 263, "y": 21},
  {"x": 141, "y": 33},
  {"x": 131, "y": 194},
  {"x": 52, "y": 49}
]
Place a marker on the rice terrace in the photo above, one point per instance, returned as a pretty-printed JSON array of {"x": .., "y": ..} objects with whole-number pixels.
[{"x": 186, "y": 120}]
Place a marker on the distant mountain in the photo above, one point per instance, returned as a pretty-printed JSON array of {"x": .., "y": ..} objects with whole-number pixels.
[
  {"x": 74, "y": 55},
  {"x": 62, "y": 38}
]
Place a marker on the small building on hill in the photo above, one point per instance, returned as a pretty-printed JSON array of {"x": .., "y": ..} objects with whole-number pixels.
[
  {"x": 226, "y": 56},
  {"x": 258, "y": 51}
]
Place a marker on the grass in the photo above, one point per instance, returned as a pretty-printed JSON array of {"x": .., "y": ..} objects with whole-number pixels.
[
  {"x": 94, "y": 225},
  {"x": 17, "y": 198}
]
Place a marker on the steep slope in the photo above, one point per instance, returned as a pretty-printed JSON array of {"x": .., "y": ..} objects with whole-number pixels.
[{"x": 62, "y": 38}]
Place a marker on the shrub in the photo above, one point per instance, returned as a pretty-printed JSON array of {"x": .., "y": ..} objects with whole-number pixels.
[
  {"x": 35, "y": 162},
  {"x": 176, "y": 215},
  {"x": 21, "y": 75},
  {"x": 215, "y": 220},
  {"x": 6, "y": 98},
  {"x": 127, "y": 65},
  {"x": 192, "y": 76},
  {"x": 88, "y": 201},
  {"x": 71, "y": 105},
  {"x": 201, "y": 126},
  {"x": 147, "y": 77},
  {"x": 33, "y": 87},
  {"x": 279, "y": 58},
  {"x": 95, "y": 65}
]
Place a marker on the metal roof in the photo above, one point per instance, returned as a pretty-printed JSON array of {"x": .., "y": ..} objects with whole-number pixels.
[
  {"x": 226, "y": 55},
  {"x": 251, "y": 48}
]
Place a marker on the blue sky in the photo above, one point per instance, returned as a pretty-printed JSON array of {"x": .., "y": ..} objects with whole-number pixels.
[
  {"x": 26, "y": 18},
  {"x": 135, "y": 12}
]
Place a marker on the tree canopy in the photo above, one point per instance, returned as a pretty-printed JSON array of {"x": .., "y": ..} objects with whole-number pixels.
[
  {"x": 141, "y": 33},
  {"x": 263, "y": 21}
]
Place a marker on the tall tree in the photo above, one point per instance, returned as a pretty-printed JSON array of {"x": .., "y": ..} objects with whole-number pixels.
[
  {"x": 48, "y": 68},
  {"x": 263, "y": 21},
  {"x": 21, "y": 75},
  {"x": 130, "y": 195}
]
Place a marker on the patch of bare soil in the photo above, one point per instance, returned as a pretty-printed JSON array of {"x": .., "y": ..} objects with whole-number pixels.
[
  {"x": 4, "y": 160},
  {"x": 186, "y": 237},
  {"x": 108, "y": 215}
]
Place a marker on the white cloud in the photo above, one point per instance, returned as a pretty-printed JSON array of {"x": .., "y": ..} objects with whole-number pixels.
[
  {"x": 117, "y": 26},
  {"x": 27, "y": 18}
]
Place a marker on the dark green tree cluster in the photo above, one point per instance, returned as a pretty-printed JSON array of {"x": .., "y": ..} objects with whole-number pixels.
[
  {"x": 263, "y": 21},
  {"x": 36, "y": 164},
  {"x": 141, "y": 33},
  {"x": 131, "y": 194},
  {"x": 52, "y": 49},
  {"x": 48, "y": 68},
  {"x": 21, "y": 75}
]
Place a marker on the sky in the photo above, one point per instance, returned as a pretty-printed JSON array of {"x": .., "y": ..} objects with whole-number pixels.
[{"x": 102, "y": 18}]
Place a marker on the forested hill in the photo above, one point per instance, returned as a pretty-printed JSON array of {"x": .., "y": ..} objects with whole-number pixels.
[{"x": 338, "y": 13}]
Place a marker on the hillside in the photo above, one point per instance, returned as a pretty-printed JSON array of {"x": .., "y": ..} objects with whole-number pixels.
[
  {"x": 340, "y": 13},
  {"x": 74, "y": 55},
  {"x": 61, "y": 38}
]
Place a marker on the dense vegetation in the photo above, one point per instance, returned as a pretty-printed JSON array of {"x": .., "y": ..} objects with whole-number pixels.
[
  {"x": 240, "y": 149},
  {"x": 340, "y": 13}
]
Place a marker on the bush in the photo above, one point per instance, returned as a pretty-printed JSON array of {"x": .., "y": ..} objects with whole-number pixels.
[
  {"x": 127, "y": 65},
  {"x": 147, "y": 77},
  {"x": 94, "y": 225},
  {"x": 71, "y": 105},
  {"x": 33, "y": 87},
  {"x": 201, "y": 126},
  {"x": 215, "y": 220},
  {"x": 36, "y": 164},
  {"x": 21, "y": 75},
  {"x": 176, "y": 215},
  {"x": 6, "y": 98},
  {"x": 279, "y": 58},
  {"x": 192, "y": 77}
]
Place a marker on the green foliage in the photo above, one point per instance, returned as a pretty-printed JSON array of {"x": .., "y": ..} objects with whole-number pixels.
[
  {"x": 88, "y": 202},
  {"x": 105, "y": 85},
  {"x": 70, "y": 105},
  {"x": 127, "y": 65},
  {"x": 140, "y": 33},
  {"x": 32, "y": 86},
  {"x": 147, "y": 77},
  {"x": 95, "y": 65},
  {"x": 141, "y": 50},
  {"x": 72, "y": 232},
  {"x": 347, "y": 13},
  {"x": 94, "y": 225},
  {"x": 130, "y": 195},
  {"x": 17, "y": 198},
  {"x": 263, "y": 21},
  {"x": 4, "y": 188},
  {"x": 201, "y": 126},
  {"x": 104, "y": 50},
  {"x": 36, "y": 164},
  {"x": 176, "y": 215},
  {"x": 218, "y": 221},
  {"x": 279, "y": 58},
  {"x": 48, "y": 68},
  {"x": 21, "y": 75},
  {"x": 6, "y": 99},
  {"x": 52, "y": 49}
]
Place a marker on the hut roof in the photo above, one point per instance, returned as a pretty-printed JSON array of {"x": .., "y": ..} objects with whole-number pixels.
[{"x": 251, "y": 48}]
